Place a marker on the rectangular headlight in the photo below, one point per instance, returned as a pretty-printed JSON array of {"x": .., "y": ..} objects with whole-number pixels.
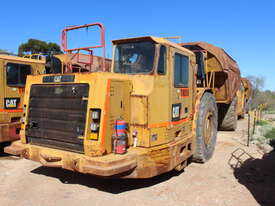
[
  {"x": 94, "y": 127},
  {"x": 95, "y": 114}
]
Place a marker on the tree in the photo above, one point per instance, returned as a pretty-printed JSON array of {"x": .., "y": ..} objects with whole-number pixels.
[
  {"x": 258, "y": 97},
  {"x": 35, "y": 46},
  {"x": 257, "y": 82},
  {"x": 4, "y": 51}
]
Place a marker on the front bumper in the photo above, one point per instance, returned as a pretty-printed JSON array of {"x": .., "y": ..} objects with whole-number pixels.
[
  {"x": 106, "y": 166},
  {"x": 136, "y": 163},
  {"x": 9, "y": 131}
]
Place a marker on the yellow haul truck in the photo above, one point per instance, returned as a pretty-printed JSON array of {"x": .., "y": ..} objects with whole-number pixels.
[
  {"x": 241, "y": 102},
  {"x": 243, "y": 97},
  {"x": 144, "y": 118},
  {"x": 14, "y": 71},
  {"x": 247, "y": 92}
]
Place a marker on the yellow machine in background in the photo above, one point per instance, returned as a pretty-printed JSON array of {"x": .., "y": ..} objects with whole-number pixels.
[
  {"x": 244, "y": 97},
  {"x": 247, "y": 93},
  {"x": 35, "y": 56},
  {"x": 14, "y": 71}
]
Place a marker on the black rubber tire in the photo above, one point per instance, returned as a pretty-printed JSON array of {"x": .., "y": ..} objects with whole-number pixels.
[
  {"x": 205, "y": 151},
  {"x": 228, "y": 116}
]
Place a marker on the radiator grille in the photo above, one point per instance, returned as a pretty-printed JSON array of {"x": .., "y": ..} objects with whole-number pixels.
[{"x": 57, "y": 116}]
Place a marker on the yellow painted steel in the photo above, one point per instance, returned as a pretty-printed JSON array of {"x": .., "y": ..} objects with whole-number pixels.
[{"x": 241, "y": 101}]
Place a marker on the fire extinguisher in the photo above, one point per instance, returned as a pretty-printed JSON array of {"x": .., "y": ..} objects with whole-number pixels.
[{"x": 120, "y": 137}]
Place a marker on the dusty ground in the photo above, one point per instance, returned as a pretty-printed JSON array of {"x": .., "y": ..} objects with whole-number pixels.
[{"x": 217, "y": 182}]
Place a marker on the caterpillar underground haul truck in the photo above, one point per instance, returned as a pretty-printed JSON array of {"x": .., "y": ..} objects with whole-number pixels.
[
  {"x": 14, "y": 71},
  {"x": 144, "y": 118}
]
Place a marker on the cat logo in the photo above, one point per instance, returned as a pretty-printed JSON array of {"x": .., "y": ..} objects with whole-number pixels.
[
  {"x": 11, "y": 103},
  {"x": 57, "y": 78}
]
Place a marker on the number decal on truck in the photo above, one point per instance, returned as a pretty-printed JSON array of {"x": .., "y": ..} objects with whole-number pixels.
[{"x": 176, "y": 110}]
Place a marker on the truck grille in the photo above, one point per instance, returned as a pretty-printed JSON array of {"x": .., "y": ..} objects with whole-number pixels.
[{"x": 57, "y": 116}]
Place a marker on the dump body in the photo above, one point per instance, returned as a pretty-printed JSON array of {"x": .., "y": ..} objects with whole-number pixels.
[
  {"x": 217, "y": 70},
  {"x": 14, "y": 71}
]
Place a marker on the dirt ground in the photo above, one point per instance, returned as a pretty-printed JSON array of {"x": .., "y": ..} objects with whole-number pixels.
[{"x": 223, "y": 181}]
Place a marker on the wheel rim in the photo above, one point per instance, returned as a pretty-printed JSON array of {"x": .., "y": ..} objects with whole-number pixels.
[{"x": 208, "y": 127}]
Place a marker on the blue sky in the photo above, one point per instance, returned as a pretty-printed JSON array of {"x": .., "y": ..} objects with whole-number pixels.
[{"x": 244, "y": 28}]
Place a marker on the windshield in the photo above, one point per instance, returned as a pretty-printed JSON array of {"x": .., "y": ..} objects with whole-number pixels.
[{"x": 134, "y": 58}]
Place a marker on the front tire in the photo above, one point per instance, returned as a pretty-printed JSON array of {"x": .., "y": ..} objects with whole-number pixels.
[{"x": 206, "y": 128}]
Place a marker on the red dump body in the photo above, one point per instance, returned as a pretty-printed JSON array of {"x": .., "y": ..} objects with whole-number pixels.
[{"x": 226, "y": 64}]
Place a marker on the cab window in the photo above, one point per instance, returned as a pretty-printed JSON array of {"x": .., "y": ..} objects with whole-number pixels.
[
  {"x": 17, "y": 74},
  {"x": 181, "y": 70},
  {"x": 135, "y": 57},
  {"x": 162, "y": 60}
]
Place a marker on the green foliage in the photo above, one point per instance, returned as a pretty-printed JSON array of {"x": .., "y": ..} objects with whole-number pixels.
[
  {"x": 262, "y": 122},
  {"x": 259, "y": 96},
  {"x": 3, "y": 51},
  {"x": 270, "y": 112},
  {"x": 6, "y": 52},
  {"x": 270, "y": 134},
  {"x": 257, "y": 82},
  {"x": 35, "y": 46}
]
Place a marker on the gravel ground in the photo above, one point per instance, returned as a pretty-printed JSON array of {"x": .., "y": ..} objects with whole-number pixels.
[{"x": 223, "y": 181}]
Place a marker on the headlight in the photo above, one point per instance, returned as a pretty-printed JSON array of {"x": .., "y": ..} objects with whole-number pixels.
[
  {"x": 23, "y": 119},
  {"x": 95, "y": 114},
  {"x": 94, "y": 127}
]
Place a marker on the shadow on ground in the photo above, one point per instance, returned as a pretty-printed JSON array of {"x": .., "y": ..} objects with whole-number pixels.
[
  {"x": 2, "y": 146},
  {"x": 114, "y": 186},
  {"x": 5, "y": 156},
  {"x": 258, "y": 176}
]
